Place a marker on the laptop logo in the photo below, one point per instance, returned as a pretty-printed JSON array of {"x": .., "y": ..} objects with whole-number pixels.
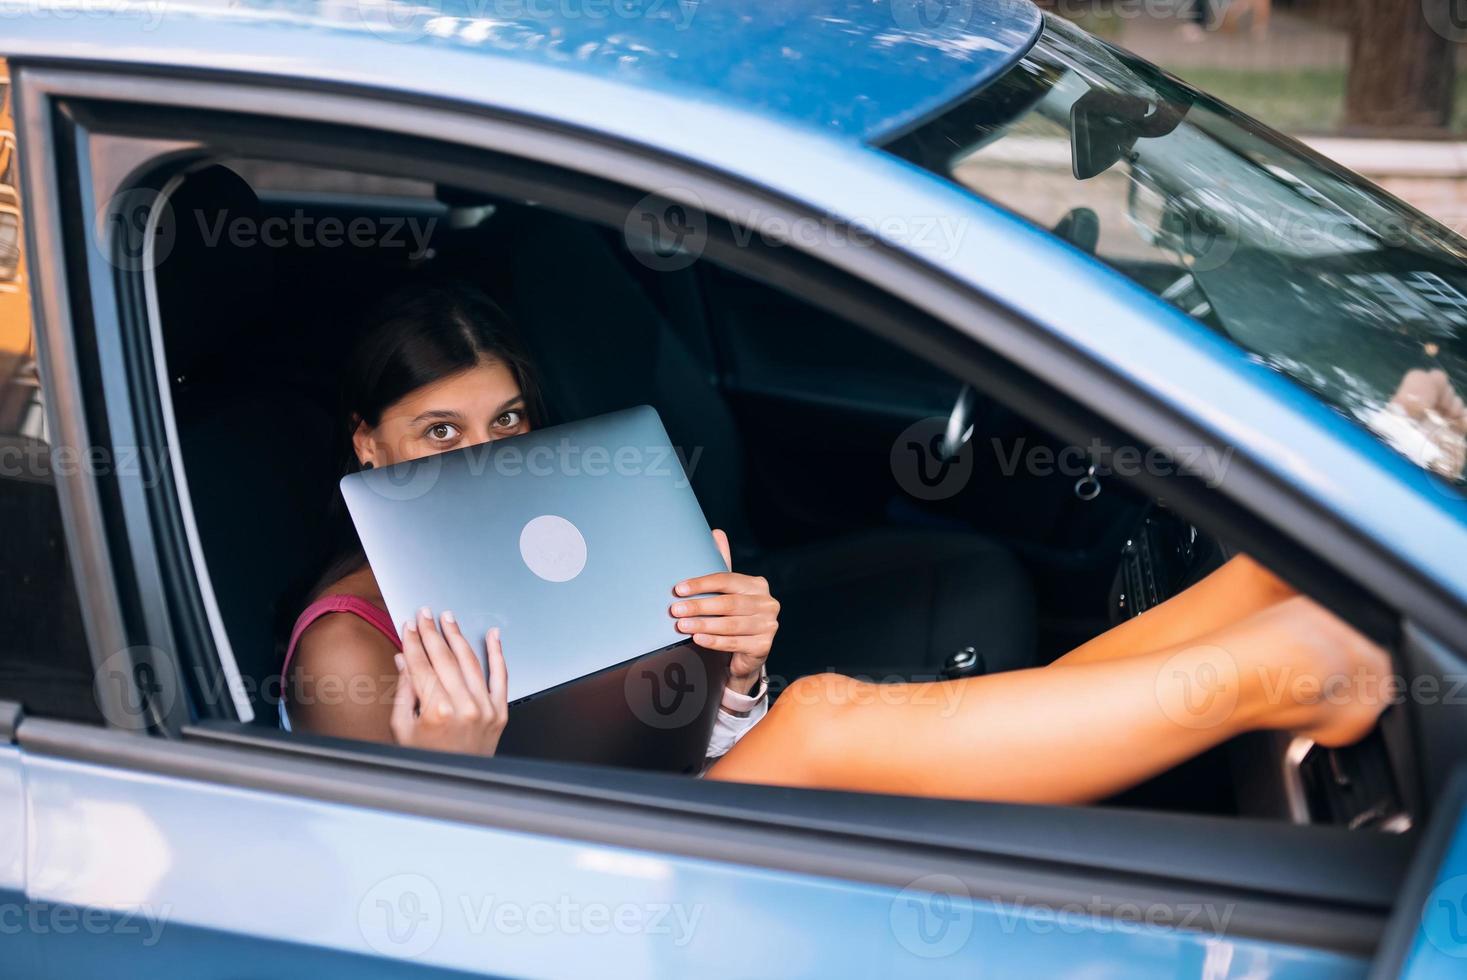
[{"x": 553, "y": 548}]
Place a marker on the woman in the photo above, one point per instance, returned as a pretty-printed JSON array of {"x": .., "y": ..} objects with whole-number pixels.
[
  {"x": 439, "y": 371},
  {"x": 1238, "y": 651}
]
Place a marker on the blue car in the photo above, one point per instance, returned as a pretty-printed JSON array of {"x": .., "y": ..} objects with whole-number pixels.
[{"x": 921, "y": 279}]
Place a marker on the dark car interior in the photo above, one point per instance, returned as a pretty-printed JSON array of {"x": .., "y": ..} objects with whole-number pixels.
[{"x": 801, "y": 425}]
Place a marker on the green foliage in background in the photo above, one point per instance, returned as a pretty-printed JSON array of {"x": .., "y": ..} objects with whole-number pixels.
[{"x": 1309, "y": 101}]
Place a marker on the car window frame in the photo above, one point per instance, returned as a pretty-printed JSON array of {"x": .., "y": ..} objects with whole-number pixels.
[{"x": 890, "y": 310}]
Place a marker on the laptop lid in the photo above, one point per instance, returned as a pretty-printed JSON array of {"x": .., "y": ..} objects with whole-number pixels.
[{"x": 569, "y": 539}]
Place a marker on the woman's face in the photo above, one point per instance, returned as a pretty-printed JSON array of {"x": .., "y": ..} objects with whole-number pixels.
[{"x": 476, "y": 405}]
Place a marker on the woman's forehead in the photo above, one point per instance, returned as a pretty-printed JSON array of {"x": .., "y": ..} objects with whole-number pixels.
[{"x": 484, "y": 388}]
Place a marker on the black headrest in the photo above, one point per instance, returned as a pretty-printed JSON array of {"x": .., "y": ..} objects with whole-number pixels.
[{"x": 215, "y": 280}]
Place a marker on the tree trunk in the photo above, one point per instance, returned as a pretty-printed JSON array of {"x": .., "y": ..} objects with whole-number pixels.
[{"x": 1401, "y": 68}]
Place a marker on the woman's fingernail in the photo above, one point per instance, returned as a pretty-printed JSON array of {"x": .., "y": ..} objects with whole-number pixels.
[
  {"x": 425, "y": 612},
  {"x": 400, "y": 660},
  {"x": 410, "y": 626},
  {"x": 494, "y": 632},
  {"x": 681, "y": 588},
  {"x": 678, "y": 608},
  {"x": 686, "y": 625},
  {"x": 448, "y": 616},
  {"x": 444, "y": 709}
]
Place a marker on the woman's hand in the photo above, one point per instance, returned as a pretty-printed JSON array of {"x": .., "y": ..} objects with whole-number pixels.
[
  {"x": 741, "y": 618},
  {"x": 443, "y": 700},
  {"x": 1426, "y": 420}
]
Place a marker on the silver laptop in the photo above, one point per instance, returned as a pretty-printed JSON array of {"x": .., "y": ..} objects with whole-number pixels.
[{"x": 570, "y": 540}]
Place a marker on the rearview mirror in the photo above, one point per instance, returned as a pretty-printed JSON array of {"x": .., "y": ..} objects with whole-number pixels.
[{"x": 1104, "y": 127}]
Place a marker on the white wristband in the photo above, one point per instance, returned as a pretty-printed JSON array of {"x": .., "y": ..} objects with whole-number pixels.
[{"x": 742, "y": 704}]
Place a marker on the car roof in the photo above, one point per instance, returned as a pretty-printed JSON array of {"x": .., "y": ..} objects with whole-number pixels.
[{"x": 856, "y": 68}]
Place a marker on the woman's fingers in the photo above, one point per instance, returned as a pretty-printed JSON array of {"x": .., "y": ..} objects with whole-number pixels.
[
  {"x": 498, "y": 673},
  {"x": 726, "y": 582},
  {"x": 721, "y": 541},
  {"x": 468, "y": 664},
  {"x": 740, "y": 617},
  {"x": 443, "y": 700},
  {"x": 735, "y": 604},
  {"x": 756, "y": 644},
  {"x": 729, "y": 625},
  {"x": 422, "y": 676},
  {"x": 455, "y": 697}
]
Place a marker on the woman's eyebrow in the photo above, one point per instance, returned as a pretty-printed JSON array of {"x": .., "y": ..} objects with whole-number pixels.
[
  {"x": 437, "y": 415},
  {"x": 510, "y": 404}
]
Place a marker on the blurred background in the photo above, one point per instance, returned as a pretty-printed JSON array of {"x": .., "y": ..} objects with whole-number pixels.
[{"x": 1374, "y": 84}]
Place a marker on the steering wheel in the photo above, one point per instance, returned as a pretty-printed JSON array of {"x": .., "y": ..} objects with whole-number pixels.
[{"x": 959, "y": 424}]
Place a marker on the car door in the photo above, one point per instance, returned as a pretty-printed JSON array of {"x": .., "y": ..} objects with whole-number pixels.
[{"x": 199, "y": 845}]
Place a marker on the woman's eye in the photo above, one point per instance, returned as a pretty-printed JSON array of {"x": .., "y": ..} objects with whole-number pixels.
[
  {"x": 442, "y": 432},
  {"x": 510, "y": 419}
]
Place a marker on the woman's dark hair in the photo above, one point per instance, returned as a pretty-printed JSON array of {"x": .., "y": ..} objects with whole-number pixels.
[
  {"x": 419, "y": 334},
  {"x": 423, "y": 333}
]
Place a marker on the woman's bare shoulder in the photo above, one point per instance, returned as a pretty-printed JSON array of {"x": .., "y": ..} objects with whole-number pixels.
[
  {"x": 349, "y": 641},
  {"x": 339, "y": 636},
  {"x": 342, "y": 677}
]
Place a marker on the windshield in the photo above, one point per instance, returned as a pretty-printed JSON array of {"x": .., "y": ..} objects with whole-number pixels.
[{"x": 1351, "y": 293}]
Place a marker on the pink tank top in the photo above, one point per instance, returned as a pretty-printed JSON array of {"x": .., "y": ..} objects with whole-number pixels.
[{"x": 324, "y": 606}]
